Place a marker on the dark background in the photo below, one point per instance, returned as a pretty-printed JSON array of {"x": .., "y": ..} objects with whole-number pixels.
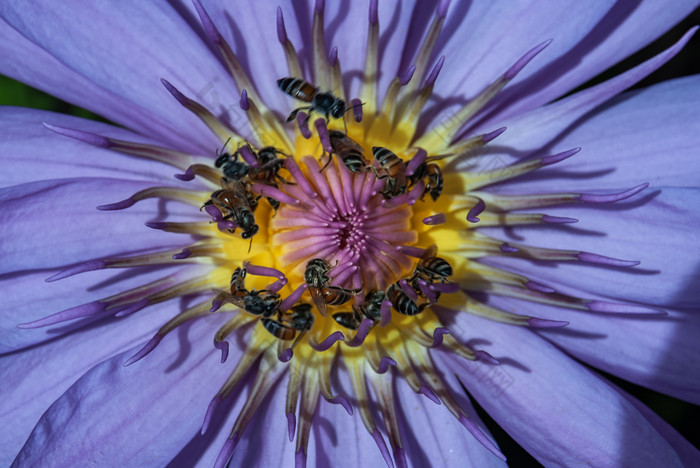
[{"x": 683, "y": 416}]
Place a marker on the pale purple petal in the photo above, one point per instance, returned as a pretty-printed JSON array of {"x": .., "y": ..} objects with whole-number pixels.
[
  {"x": 648, "y": 135},
  {"x": 265, "y": 441},
  {"x": 559, "y": 411},
  {"x": 659, "y": 230},
  {"x": 553, "y": 121},
  {"x": 137, "y": 43},
  {"x": 342, "y": 440},
  {"x": 336, "y": 439},
  {"x": 32, "y": 152},
  {"x": 659, "y": 353},
  {"x": 31, "y": 64},
  {"x": 261, "y": 40},
  {"x": 587, "y": 39},
  {"x": 133, "y": 416},
  {"x": 433, "y": 436},
  {"x": 29, "y": 297},
  {"x": 34, "y": 378},
  {"x": 55, "y": 223},
  {"x": 251, "y": 35}
]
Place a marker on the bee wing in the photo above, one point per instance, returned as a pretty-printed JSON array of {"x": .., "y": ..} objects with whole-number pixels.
[
  {"x": 237, "y": 301},
  {"x": 270, "y": 164},
  {"x": 346, "y": 319},
  {"x": 357, "y": 147},
  {"x": 240, "y": 194},
  {"x": 226, "y": 296},
  {"x": 319, "y": 300}
]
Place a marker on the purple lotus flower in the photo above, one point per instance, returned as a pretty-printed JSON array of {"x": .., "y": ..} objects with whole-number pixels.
[{"x": 385, "y": 248}]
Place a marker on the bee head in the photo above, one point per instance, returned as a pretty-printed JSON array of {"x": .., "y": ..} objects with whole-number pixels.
[
  {"x": 248, "y": 233},
  {"x": 337, "y": 110}
]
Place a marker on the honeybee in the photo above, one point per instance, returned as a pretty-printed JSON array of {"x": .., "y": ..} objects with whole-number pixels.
[
  {"x": 230, "y": 165},
  {"x": 431, "y": 267},
  {"x": 267, "y": 171},
  {"x": 269, "y": 168},
  {"x": 433, "y": 173},
  {"x": 286, "y": 326},
  {"x": 348, "y": 150},
  {"x": 394, "y": 170},
  {"x": 398, "y": 182},
  {"x": 371, "y": 308},
  {"x": 257, "y": 302},
  {"x": 349, "y": 320},
  {"x": 401, "y": 302},
  {"x": 238, "y": 283},
  {"x": 317, "y": 277},
  {"x": 323, "y": 103},
  {"x": 236, "y": 203},
  {"x": 262, "y": 302},
  {"x": 372, "y": 305}
]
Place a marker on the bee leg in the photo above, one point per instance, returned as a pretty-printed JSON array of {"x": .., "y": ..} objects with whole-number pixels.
[
  {"x": 285, "y": 181},
  {"x": 296, "y": 111},
  {"x": 293, "y": 115},
  {"x": 275, "y": 204},
  {"x": 330, "y": 157}
]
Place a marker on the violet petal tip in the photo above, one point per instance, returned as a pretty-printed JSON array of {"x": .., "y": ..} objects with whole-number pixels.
[
  {"x": 86, "y": 137},
  {"x": 281, "y": 30},
  {"x": 487, "y": 137},
  {"x": 535, "y": 322},
  {"x": 428, "y": 393},
  {"x": 211, "y": 409},
  {"x": 603, "y": 260},
  {"x": 286, "y": 355},
  {"x": 291, "y": 425},
  {"x": 81, "y": 268},
  {"x": 147, "y": 348},
  {"x": 383, "y": 449},
  {"x": 342, "y": 401}
]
